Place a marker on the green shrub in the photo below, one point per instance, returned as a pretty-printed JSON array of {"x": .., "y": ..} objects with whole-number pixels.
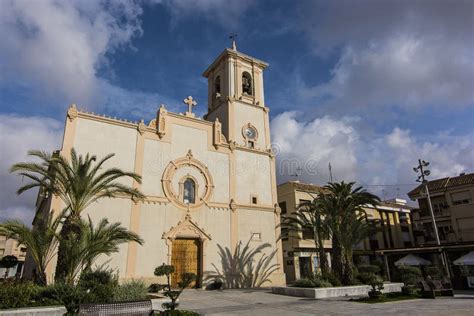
[
  {"x": 304, "y": 282},
  {"x": 369, "y": 268},
  {"x": 331, "y": 278},
  {"x": 314, "y": 282},
  {"x": 408, "y": 275},
  {"x": 133, "y": 290},
  {"x": 365, "y": 277},
  {"x": 68, "y": 295},
  {"x": 18, "y": 294},
  {"x": 155, "y": 288},
  {"x": 408, "y": 270},
  {"x": 100, "y": 285}
]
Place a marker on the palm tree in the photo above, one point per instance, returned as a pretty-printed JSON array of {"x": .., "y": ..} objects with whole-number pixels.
[
  {"x": 310, "y": 216},
  {"x": 82, "y": 250},
  {"x": 344, "y": 208},
  {"x": 78, "y": 183},
  {"x": 41, "y": 241}
]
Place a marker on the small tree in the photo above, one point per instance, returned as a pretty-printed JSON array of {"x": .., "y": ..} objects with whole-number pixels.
[
  {"x": 173, "y": 294},
  {"x": 376, "y": 284},
  {"x": 8, "y": 262}
]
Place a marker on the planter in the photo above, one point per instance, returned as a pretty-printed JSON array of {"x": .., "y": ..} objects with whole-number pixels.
[
  {"x": 328, "y": 292},
  {"x": 35, "y": 311}
]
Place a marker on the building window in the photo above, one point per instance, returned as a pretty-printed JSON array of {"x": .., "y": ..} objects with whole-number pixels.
[
  {"x": 282, "y": 206},
  {"x": 189, "y": 193},
  {"x": 246, "y": 83},
  {"x": 254, "y": 199},
  {"x": 303, "y": 202},
  {"x": 459, "y": 198},
  {"x": 217, "y": 87}
]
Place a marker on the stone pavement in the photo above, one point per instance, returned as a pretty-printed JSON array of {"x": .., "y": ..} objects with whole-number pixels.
[{"x": 262, "y": 302}]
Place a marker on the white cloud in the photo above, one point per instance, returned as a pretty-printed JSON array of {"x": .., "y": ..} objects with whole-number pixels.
[
  {"x": 56, "y": 46},
  {"x": 368, "y": 159},
  {"x": 397, "y": 53},
  {"x": 18, "y": 135}
]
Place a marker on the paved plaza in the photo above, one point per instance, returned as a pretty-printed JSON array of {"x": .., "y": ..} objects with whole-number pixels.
[{"x": 262, "y": 302}]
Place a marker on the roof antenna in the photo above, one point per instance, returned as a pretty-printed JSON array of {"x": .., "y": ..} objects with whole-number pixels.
[
  {"x": 234, "y": 45},
  {"x": 297, "y": 173}
]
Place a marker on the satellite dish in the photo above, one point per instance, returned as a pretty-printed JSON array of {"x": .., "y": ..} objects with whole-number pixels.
[{"x": 427, "y": 172}]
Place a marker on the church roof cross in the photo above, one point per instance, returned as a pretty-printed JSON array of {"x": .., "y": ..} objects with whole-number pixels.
[{"x": 190, "y": 102}]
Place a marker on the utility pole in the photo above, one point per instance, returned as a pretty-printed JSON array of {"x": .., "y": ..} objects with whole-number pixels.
[
  {"x": 421, "y": 178},
  {"x": 330, "y": 171}
]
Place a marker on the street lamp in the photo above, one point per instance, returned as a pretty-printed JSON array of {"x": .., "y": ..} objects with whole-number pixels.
[{"x": 421, "y": 168}]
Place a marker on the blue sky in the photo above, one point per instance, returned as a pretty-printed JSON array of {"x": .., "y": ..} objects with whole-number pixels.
[{"x": 370, "y": 86}]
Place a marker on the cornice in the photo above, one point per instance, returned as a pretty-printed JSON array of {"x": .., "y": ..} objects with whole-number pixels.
[{"x": 234, "y": 54}]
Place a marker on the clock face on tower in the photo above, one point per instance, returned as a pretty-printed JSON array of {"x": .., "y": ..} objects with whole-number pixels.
[{"x": 250, "y": 132}]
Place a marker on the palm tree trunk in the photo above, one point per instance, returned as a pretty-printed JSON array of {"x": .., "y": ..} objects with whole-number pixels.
[
  {"x": 323, "y": 260},
  {"x": 337, "y": 257},
  {"x": 70, "y": 231},
  {"x": 348, "y": 277}
]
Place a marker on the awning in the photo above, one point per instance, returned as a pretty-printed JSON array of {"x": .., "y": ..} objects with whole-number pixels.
[
  {"x": 467, "y": 260},
  {"x": 412, "y": 260}
]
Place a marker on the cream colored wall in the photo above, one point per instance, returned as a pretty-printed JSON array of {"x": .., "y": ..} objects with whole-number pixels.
[
  {"x": 115, "y": 210},
  {"x": 265, "y": 225},
  {"x": 155, "y": 158},
  {"x": 102, "y": 139},
  {"x": 245, "y": 114},
  {"x": 252, "y": 177}
]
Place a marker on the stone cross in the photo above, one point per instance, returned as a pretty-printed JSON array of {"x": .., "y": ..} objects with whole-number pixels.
[{"x": 190, "y": 102}]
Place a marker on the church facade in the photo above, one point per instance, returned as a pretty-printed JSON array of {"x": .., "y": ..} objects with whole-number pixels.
[{"x": 208, "y": 182}]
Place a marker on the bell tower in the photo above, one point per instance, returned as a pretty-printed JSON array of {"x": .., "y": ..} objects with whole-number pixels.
[{"x": 236, "y": 98}]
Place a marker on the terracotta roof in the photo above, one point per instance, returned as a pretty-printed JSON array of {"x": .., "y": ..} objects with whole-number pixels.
[
  {"x": 444, "y": 183},
  {"x": 305, "y": 187}
]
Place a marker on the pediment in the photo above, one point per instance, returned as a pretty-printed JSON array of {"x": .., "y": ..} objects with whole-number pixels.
[{"x": 187, "y": 228}]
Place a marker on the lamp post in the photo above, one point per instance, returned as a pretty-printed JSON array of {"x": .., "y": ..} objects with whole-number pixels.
[{"x": 421, "y": 168}]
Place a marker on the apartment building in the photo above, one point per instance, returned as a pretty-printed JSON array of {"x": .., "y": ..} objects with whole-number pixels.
[
  {"x": 10, "y": 247},
  {"x": 453, "y": 208},
  {"x": 299, "y": 254}
]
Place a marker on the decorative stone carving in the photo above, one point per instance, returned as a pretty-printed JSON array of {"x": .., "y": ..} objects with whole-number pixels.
[
  {"x": 233, "y": 205},
  {"x": 186, "y": 229},
  {"x": 169, "y": 175},
  {"x": 72, "y": 112},
  {"x": 152, "y": 123},
  {"x": 277, "y": 209},
  {"x": 232, "y": 145},
  {"x": 161, "y": 121},
  {"x": 141, "y": 127},
  {"x": 217, "y": 133}
]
